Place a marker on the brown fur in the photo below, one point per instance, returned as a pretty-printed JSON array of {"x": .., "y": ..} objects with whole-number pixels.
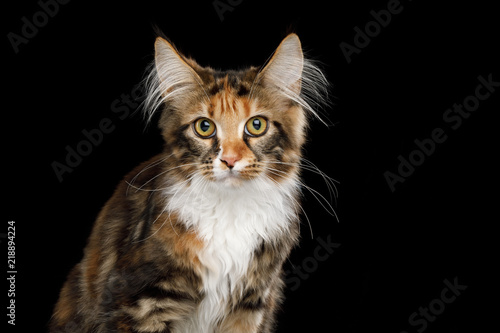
[{"x": 141, "y": 270}]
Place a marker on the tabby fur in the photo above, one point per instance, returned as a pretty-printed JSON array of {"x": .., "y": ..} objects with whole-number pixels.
[{"x": 194, "y": 239}]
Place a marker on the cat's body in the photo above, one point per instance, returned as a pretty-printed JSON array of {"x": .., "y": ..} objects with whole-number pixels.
[{"x": 194, "y": 240}]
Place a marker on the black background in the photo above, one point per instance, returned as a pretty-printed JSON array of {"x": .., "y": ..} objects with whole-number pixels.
[{"x": 396, "y": 248}]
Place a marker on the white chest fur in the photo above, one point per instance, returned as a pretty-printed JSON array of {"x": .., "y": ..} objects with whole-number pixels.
[{"x": 231, "y": 222}]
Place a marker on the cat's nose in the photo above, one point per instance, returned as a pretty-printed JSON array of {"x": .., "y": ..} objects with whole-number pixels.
[
  {"x": 230, "y": 160},
  {"x": 231, "y": 152}
]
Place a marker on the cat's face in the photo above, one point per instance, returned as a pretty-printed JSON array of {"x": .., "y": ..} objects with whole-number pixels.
[
  {"x": 230, "y": 136},
  {"x": 234, "y": 126}
]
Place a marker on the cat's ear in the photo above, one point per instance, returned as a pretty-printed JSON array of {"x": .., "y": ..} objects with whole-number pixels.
[
  {"x": 174, "y": 73},
  {"x": 284, "y": 69},
  {"x": 171, "y": 77},
  {"x": 295, "y": 77}
]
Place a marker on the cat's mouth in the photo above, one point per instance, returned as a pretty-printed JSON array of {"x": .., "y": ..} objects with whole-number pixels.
[
  {"x": 230, "y": 177},
  {"x": 235, "y": 178},
  {"x": 235, "y": 175}
]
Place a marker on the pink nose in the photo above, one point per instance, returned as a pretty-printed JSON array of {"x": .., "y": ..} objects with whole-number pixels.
[{"x": 230, "y": 160}]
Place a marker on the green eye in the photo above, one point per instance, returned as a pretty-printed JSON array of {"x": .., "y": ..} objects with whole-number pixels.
[
  {"x": 204, "y": 127},
  {"x": 256, "y": 126}
]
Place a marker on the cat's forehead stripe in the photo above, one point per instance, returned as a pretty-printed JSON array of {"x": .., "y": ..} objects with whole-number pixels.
[
  {"x": 230, "y": 80},
  {"x": 228, "y": 101}
]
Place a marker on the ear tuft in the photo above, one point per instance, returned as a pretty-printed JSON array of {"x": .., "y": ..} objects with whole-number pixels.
[
  {"x": 295, "y": 77},
  {"x": 284, "y": 70},
  {"x": 169, "y": 77}
]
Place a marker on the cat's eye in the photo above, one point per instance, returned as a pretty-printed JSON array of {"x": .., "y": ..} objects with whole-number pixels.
[
  {"x": 204, "y": 127},
  {"x": 256, "y": 126}
]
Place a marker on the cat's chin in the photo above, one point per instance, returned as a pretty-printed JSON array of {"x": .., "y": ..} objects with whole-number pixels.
[{"x": 231, "y": 180}]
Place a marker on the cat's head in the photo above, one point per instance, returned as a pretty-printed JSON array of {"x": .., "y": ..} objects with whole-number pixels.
[{"x": 234, "y": 126}]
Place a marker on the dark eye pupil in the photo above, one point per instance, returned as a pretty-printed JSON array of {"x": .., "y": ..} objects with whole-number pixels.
[
  {"x": 204, "y": 125},
  {"x": 256, "y": 124}
]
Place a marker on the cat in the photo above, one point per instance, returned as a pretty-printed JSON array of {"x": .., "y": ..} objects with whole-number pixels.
[{"x": 194, "y": 239}]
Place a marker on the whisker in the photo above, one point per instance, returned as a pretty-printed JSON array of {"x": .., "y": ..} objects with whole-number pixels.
[
  {"x": 314, "y": 167},
  {"x": 158, "y": 175},
  {"x": 154, "y": 233},
  {"x": 296, "y": 203},
  {"x": 310, "y": 167},
  {"x": 167, "y": 206},
  {"x": 189, "y": 178},
  {"x": 329, "y": 181},
  {"x": 153, "y": 164},
  {"x": 330, "y": 210}
]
